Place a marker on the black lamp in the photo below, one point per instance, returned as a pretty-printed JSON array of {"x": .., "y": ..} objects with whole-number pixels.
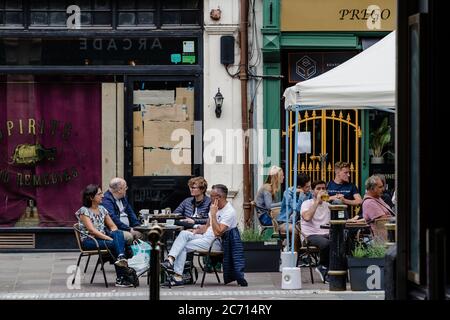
[{"x": 218, "y": 99}]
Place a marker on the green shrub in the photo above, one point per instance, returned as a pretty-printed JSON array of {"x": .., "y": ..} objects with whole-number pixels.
[
  {"x": 251, "y": 235},
  {"x": 375, "y": 250}
]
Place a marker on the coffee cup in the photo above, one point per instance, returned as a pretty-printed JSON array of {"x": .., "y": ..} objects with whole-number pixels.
[
  {"x": 170, "y": 222},
  {"x": 163, "y": 211},
  {"x": 155, "y": 212}
]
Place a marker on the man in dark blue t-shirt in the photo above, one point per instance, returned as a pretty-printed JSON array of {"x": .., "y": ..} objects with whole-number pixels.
[{"x": 340, "y": 189}]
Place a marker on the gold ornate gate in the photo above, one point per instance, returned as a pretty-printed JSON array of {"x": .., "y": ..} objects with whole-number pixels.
[{"x": 335, "y": 136}]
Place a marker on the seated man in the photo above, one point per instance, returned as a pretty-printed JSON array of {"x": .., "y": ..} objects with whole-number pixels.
[
  {"x": 373, "y": 205},
  {"x": 195, "y": 209},
  {"x": 303, "y": 193},
  {"x": 115, "y": 201},
  {"x": 222, "y": 217},
  {"x": 340, "y": 189},
  {"x": 315, "y": 213}
]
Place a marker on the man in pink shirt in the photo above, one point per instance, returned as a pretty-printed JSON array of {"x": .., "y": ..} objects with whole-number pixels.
[
  {"x": 315, "y": 213},
  {"x": 373, "y": 206}
]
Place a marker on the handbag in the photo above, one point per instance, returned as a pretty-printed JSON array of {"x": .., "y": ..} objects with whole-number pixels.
[{"x": 140, "y": 246}]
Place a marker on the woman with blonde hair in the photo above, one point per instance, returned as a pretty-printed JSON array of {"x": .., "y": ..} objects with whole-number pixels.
[{"x": 267, "y": 196}]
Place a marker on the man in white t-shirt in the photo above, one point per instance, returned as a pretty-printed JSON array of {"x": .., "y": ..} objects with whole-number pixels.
[
  {"x": 315, "y": 213},
  {"x": 222, "y": 217}
]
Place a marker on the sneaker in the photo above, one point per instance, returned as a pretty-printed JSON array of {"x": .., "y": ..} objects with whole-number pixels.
[
  {"x": 121, "y": 261},
  {"x": 120, "y": 282},
  {"x": 322, "y": 271},
  {"x": 167, "y": 265}
]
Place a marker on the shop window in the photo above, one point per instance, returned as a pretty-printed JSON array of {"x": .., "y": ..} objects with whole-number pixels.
[
  {"x": 11, "y": 13},
  {"x": 136, "y": 13},
  {"x": 180, "y": 13},
  {"x": 52, "y": 13}
]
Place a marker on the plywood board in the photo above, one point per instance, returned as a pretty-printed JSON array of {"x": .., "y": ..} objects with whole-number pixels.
[
  {"x": 158, "y": 162},
  {"x": 185, "y": 96},
  {"x": 138, "y": 161},
  {"x": 169, "y": 112},
  {"x": 138, "y": 129},
  {"x": 153, "y": 97},
  {"x": 157, "y": 134}
]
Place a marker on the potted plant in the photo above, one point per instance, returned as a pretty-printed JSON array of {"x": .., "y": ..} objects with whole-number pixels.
[
  {"x": 366, "y": 267},
  {"x": 378, "y": 140},
  {"x": 260, "y": 255}
]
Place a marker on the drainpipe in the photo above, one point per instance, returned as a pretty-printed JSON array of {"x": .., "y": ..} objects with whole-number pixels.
[{"x": 243, "y": 67}]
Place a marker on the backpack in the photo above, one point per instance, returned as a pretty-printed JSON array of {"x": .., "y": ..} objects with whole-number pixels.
[
  {"x": 129, "y": 274},
  {"x": 190, "y": 273}
]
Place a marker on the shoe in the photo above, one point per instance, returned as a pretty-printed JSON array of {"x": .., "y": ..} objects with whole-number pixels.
[
  {"x": 167, "y": 265},
  {"x": 322, "y": 271},
  {"x": 120, "y": 282},
  {"x": 176, "y": 283},
  {"x": 121, "y": 261},
  {"x": 327, "y": 280},
  {"x": 242, "y": 282}
]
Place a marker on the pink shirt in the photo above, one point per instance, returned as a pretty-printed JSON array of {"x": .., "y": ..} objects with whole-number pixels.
[
  {"x": 321, "y": 216},
  {"x": 374, "y": 208}
]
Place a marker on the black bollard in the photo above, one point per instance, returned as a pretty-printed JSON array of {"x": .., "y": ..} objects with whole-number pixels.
[
  {"x": 154, "y": 235},
  {"x": 337, "y": 272},
  {"x": 390, "y": 228}
]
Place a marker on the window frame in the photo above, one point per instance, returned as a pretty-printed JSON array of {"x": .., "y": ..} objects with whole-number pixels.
[{"x": 114, "y": 18}]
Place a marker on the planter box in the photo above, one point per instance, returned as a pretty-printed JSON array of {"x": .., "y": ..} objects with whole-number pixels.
[
  {"x": 366, "y": 274},
  {"x": 262, "y": 256}
]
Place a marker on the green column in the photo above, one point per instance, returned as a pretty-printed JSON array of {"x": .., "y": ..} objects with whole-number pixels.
[{"x": 364, "y": 149}]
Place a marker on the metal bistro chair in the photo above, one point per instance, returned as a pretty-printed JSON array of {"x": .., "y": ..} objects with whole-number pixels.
[
  {"x": 306, "y": 249},
  {"x": 83, "y": 253},
  {"x": 212, "y": 257},
  {"x": 273, "y": 214}
]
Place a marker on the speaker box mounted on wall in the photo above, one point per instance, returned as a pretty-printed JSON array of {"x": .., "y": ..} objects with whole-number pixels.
[{"x": 227, "y": 50}]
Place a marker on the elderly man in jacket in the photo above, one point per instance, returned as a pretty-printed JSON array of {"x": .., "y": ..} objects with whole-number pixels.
[
  {"x": 115, "y": 201},
  {"x": 222, "y": 217}
]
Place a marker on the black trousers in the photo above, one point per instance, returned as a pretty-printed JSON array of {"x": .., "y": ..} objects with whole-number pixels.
[{"x": 321, "y": 241}]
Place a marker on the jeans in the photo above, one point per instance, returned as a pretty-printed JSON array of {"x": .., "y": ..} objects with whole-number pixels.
[
  {"x": 117, "y": 246},
  {"x": 188, "y": 242}
]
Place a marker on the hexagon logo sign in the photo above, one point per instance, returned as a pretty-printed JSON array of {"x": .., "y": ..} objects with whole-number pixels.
[{"x": 306, "y": 67}]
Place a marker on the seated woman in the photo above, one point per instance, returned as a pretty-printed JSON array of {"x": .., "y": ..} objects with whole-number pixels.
[
  {"x": 195, "y": 209},
  {"x": 95, "y": 221},
  {"x": 266, "y": 197}
]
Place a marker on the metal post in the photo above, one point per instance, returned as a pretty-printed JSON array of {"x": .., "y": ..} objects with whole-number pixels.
[
  {"x": 337, "y": 272},
  {"x": 154, "y": 235},
  {"x": 390, "y": 229}
]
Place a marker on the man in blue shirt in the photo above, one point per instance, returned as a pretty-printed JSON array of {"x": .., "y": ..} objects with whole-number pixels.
[
  {"x": 303, "y": 193},
  {"x": 341, "y": 190},
  {"x": 115, "y": 201}
]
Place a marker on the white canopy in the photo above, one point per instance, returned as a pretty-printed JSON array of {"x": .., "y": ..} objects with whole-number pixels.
[{"x": 365, "y": 81}]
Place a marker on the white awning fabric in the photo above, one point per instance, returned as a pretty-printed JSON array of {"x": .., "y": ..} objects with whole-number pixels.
[{"x": 368, "y": 80}]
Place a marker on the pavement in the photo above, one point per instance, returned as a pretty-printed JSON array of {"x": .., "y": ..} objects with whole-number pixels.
[{"x": 48, "y": 276}]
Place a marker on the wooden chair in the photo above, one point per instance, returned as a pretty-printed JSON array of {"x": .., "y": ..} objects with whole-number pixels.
[
  {"x": 83, "y": 253},
  {"x": 273, "y": 214},
  {"x": 212, "y": 258}
]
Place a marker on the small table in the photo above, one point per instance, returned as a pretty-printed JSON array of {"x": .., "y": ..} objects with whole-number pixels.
[{"x": 164, "y": 217}]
